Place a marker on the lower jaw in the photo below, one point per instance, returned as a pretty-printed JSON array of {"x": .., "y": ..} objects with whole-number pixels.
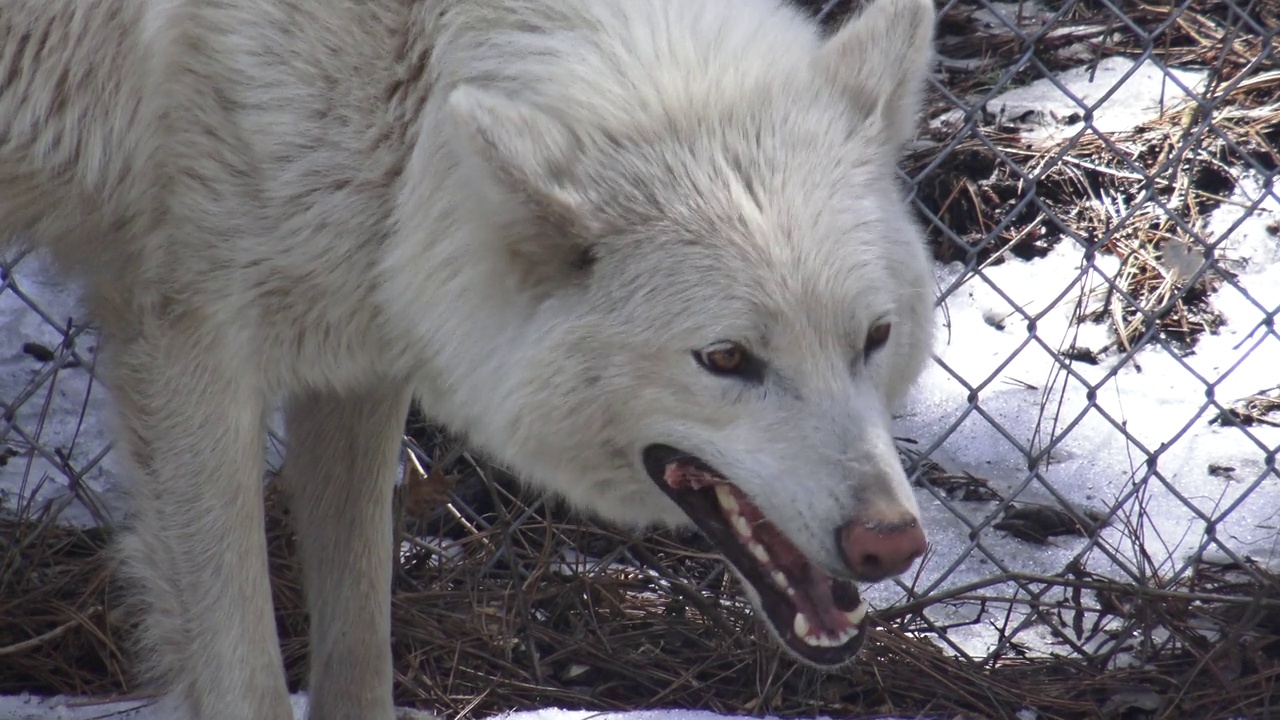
[
  {"x": 781, "y": 629},
  {"x": 700, "y": 493}
]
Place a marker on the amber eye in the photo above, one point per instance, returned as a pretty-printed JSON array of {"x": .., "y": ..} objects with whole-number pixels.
[
  {"x": 730, "y": 359},
  {"x": 877, "y": 336},
  {"x": 727, "y": 359}
]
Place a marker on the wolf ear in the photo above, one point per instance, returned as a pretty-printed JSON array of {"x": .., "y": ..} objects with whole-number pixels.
[
  {"x": 881, "y": 58},
  {"x": 532, "y": 156},
  {"x": 529, "y": 152}
]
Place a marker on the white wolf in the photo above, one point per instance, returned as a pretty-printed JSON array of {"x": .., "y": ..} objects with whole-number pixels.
[{"x": 649, "y": 254}]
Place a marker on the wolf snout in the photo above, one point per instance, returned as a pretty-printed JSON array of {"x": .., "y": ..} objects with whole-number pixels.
[{"x": 874, "y": 550}]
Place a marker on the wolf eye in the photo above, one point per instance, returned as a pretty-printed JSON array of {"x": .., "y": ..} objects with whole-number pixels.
[
  {"x": 877, "y": 336},
  {"x": 726, "y": 359},
  {"x": 729, "y": 359}
]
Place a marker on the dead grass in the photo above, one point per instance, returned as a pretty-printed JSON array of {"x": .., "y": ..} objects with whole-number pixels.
[{"x": 513, "y": 618}]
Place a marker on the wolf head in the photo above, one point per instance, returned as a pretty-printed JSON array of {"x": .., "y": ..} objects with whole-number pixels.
[{"x": 722, "y": 292}]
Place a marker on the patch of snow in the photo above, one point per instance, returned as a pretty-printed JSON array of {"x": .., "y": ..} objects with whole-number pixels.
[
  {"x": 63, "y": 410},
  {"x": 1121, "y": 93},
  {"x": 26, "y": 707}
]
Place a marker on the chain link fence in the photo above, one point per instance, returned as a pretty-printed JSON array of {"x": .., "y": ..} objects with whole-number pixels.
[
  {"x": 1099, "y": 180},
  {"x": 1094, "y": 447}
]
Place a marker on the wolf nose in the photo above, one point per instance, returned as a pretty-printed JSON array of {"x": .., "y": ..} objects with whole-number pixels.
[{"x": 876, "y": 550}]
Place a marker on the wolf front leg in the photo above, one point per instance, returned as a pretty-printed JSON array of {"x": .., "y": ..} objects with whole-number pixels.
[
  {"x": 191, "y": 419},
  {"x": 339, "y": 472}
]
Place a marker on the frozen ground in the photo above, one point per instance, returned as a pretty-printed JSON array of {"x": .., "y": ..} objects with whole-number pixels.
[{"x": 1112, "y": 417}]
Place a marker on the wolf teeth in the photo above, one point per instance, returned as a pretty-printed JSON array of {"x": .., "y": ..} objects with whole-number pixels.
[
  {"x": 847, "y": 635},
  {"x": 780, "y": 579},
  {"x": 801, "y": 627},
  {"x": 743, "y": 527},
  {"x": 726, "y": 498},
  {"x": 832, "y": 640},
  {"x": 732, "y": 510},
  {"x": 827, "y": 641}
]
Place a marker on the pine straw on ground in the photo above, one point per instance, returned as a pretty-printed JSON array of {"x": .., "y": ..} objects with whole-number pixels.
[{"x": 502, "y": 602}]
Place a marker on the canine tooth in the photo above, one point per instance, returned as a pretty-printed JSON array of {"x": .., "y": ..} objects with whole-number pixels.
[
  {"x": 742, "y": 525},
  {"x": 727, "y": 501},
  {"x": 758, "y": 551},
  {"x": 801, "y": 628}
]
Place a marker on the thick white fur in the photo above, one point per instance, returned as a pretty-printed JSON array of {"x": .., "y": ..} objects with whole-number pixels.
[{"x": 527, "y": 212}]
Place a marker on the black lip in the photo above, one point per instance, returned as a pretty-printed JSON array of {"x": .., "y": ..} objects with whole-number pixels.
[{"x": 704, "y": 510}]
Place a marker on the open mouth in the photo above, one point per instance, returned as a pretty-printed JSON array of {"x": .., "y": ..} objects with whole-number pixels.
[{"x": 820, "y": 618}]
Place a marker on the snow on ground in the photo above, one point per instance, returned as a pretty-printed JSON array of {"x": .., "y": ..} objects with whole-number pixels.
[
  {"x": 30, "y": 708},
  {"x": 63, "y": 409},
  {"x": 1132, "y": 92},
  {"x": 1157, "y": 398}
]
